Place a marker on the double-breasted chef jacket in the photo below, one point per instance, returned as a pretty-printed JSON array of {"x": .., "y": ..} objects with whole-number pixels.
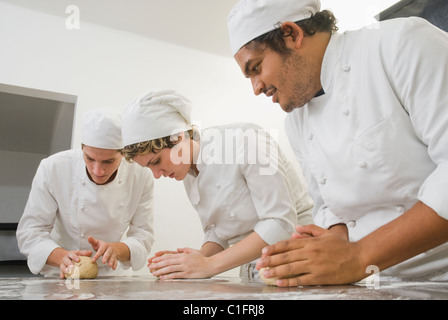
[
  {"x": 376, "y": 141},
  {"x": 242, "y": 189},
  {"x": 65, "y": 207}
]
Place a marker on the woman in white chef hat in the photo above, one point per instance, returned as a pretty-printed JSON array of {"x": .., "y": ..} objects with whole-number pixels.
[
  {"x": 89, "y": 200},
  {"x": 244, "y": 189}
]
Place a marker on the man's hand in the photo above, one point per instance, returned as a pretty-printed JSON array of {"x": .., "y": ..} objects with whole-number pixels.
[
  {"x": 112, "y": 252},
  {"x": 322, "y": 257},
  {"x": 64, "y": 259}
]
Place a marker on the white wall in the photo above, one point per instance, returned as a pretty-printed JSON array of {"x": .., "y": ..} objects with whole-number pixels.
[{"x": 108, "y": 68}]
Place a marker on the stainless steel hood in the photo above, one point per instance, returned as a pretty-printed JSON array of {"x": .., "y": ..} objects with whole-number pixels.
[
  {"x": 33, "y": 125},
  {"x": 435, "y": 11}
]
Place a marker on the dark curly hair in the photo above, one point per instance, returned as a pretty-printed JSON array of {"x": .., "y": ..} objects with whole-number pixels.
[{"x": 323, "y": 21}]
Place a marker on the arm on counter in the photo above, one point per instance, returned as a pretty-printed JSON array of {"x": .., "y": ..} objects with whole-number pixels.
[
  {"x": 191, "y": 263},
  {"x": 327, "y": 258}
]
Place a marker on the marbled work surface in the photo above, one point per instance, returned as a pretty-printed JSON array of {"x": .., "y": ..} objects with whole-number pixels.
[{"x": 216, "y": 288}]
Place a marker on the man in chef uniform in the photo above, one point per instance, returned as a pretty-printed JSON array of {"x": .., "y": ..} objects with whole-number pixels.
[
  {"x": 89, "y": 201},
  {"x": 367, "y": 119}
]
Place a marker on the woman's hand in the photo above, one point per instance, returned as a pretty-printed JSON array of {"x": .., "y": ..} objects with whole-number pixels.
[
  {"x": 159, "y": 254},
  {"x": 185, "y": 263}
]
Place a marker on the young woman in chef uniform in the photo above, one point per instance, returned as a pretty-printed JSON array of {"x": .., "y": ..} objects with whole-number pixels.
[
  {"x": 246, "y": 192},
  {"x": 89, "y": 200}
]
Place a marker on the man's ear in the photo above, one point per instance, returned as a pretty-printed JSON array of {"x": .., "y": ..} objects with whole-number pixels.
[{"x": 292, "y": 32}]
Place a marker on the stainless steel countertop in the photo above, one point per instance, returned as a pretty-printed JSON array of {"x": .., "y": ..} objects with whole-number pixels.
[{"x": 216, "y": 288}]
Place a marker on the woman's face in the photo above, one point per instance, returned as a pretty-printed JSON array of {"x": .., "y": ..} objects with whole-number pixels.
[{"x": 169, "y": 162}]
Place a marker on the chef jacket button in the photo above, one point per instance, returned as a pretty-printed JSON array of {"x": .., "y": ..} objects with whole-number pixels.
[
  {"x": 83, "y": 235},
  {"x": 322, "y": 181},
  {"x": 83, "y": 183},
  {"x": 212, "y": 226},
  {"x": 362, "y": 164},
  {"x": 194, "y": 197},
  {"x": 232, "y": 215},
  {"x": 400, "y": 209},
  {"x": 346, "y": 112},
  {"x": 310, "y": 136},
  {"x": 83, "y": 208},
  {"x": 351, "y": 224},
  {"x": 346, "y": 68}
]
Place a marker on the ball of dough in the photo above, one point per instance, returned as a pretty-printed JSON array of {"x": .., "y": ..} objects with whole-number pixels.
[
  {"x": 84, "y": 269},
  {"x": 269, "y": 281}
]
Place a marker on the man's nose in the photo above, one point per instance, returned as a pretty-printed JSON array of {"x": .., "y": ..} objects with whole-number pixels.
[
  {"x": 257, "y": 85},
  {"x": 98, "y": 169}
]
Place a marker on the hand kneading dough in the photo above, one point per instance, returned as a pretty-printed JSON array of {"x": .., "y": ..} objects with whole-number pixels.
[
  {"x": 268, "y": 281},
  {"x": 84, "y": 269}
]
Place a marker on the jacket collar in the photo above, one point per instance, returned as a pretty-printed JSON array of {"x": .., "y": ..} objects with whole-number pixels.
[{"x": 331, "y": 57}]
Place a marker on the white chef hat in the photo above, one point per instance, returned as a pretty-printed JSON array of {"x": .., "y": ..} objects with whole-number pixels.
[
  {"x": 154, "y": 115},
  {"x": 102, "y": 129},
  {"x": 250, "y": 19}
]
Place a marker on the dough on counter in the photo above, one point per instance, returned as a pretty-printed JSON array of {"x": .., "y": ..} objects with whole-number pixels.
[
  {"x": 269, "y": 281},
  {"x": 84, "y": 269}
]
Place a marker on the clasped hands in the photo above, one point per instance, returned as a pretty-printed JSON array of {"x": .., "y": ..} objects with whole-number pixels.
[
  {"x": 313, "y": 256},
  {"x": 183, "y": 263}
]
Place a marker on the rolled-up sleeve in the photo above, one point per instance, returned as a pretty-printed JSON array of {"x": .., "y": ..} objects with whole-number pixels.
[
  {"x": 430, "y": 192},
  {"x": 271, "y": 231},
  {"x": 211, "y": 236}
]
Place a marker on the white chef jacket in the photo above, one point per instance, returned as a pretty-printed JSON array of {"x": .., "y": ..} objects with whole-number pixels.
[
  {"x": 241, "y": 188},
  {"x": 65, "y": 207},
  {"x": 377, "y": 141}
]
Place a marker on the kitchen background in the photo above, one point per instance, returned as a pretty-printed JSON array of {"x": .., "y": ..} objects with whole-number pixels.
[{"x": 60, "y": 58}]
